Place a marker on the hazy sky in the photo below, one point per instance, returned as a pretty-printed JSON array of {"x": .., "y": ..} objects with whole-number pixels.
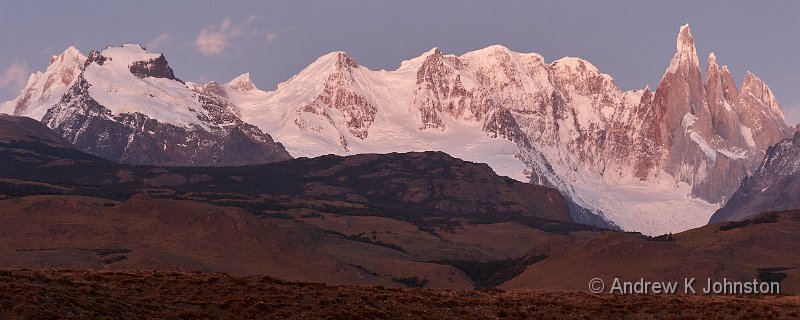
[{"x": 273, "y": 40}]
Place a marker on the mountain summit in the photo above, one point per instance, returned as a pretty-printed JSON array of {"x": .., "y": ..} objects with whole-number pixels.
[{"x": 126, "y": 105}]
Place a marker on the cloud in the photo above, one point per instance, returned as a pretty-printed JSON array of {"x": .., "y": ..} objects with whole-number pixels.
[
  {"x": 159, "y": 41},
  {"x": 792, "y": 114},
  {"x": 271, "y": 36},
  {"x": 15, "y": 77},
  {"x": 213, "y": 40}
]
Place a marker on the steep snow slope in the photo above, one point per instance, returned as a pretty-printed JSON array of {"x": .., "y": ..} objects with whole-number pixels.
[
  {"x": 44, "y": 89},
  {"x": 120, "y": 91}
]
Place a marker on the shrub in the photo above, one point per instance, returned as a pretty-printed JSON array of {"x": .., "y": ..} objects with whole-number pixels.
[{"x": 411, "y": 282}]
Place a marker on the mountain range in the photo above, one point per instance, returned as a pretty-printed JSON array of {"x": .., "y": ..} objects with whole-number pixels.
[{"x": 653, "y": 161}]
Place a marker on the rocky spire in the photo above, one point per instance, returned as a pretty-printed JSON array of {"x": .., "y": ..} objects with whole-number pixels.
[
  {"x": 761, "y": 114},
  {"x": 686, "y": 54},
  {"x": 719, "y": 91},
  {"x": 758, "y": 88}
]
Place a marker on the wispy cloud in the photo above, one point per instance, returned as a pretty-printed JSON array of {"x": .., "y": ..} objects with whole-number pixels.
[
  {"x": 159, "y": 41},
  {"x": 214, "y": 40},
  {"x": 792, "y": 114},
  {"x": 14, "y": 77},
  {"x": 271, "y": 36}
]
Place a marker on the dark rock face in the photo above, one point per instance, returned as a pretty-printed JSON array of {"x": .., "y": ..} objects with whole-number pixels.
[
  {"x": 773, "y": 186},
  {"x": 95, "y": 57},
  {"x": 136, "y": 139},
  {"x": 156, "y": 68}
]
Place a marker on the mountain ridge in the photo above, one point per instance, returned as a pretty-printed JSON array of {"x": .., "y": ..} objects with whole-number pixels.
[
  {"x": 563, "y": 124},
  {"x": 655, "y": 161}
]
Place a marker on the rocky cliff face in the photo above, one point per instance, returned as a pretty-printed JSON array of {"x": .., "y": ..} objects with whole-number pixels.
[
  {"x": 649, "y": 160},
  {"x": 774, "y": 186},
  {"x": 126, "y": 105},
  {"x": 704, "y": 133}
]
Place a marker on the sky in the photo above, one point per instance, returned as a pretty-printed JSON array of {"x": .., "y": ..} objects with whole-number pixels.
[{"x": 633, "y": 41}]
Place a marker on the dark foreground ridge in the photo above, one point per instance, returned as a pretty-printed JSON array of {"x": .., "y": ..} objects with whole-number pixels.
[{"x": 148, "y": 295}]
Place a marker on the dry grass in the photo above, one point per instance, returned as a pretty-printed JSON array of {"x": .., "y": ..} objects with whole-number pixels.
[{"x": 145, "y": 295}]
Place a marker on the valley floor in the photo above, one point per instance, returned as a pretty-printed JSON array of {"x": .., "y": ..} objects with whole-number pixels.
[{"x": 29, "y": 294}]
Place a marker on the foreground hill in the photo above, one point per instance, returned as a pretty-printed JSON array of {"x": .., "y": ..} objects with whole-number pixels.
[
  {"x": 763, "y": 248},
  {"x": 147, "y": 295},
  {"x": 416, "y": 219}
]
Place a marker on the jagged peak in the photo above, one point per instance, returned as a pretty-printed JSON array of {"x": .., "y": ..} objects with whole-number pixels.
[
  {"x": 685, "y": 38},
  {"x": 70, "y": 54},
  {"x": 712, "y": 58},
  {"x": 416, "y": 62},
  {"x": 335, "y": 59},
  {"x": 433, "y": 51},
  {"x": 753, "y": 85},
  {"x": 686, "y": 52},
  {"x": 244, "y": 77},
  {"x": 750, "y": 78},
  {"x": 241, "y": 83}
]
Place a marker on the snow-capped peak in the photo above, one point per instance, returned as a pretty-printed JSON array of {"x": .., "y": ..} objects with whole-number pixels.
[
  {"x": 44, "y": 89},
  {"x": 129, "y": 79},
  {"x": 127, "y": 54},
  {"x": 336, "y": 59},
  {"x": 70, "y": 53},
  {"x": 575, "y": 64},
  {"x": 242, "y": 83}
]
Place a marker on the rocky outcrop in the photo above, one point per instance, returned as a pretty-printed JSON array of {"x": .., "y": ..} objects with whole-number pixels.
[
  {"x": 774, "y": 186},
  {"x": 157, "y": 68}
]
